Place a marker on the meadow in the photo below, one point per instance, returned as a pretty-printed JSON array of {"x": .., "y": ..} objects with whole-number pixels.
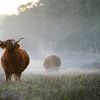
[{"x": 70, "y": 86}]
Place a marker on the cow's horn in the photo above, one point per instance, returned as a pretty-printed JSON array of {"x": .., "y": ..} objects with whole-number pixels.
[{"x": 19, "y": 40}]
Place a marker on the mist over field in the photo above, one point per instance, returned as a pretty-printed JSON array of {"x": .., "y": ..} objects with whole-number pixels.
[{"x": 67, "y": 28}]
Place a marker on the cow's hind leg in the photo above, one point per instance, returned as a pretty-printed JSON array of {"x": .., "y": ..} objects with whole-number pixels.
[{"x": 16, "y": 76}]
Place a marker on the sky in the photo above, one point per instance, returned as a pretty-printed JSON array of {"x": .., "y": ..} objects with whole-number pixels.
[{"x": 9, "y": 7}]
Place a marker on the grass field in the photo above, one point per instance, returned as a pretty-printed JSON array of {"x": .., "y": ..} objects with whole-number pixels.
[{"x": 53, "y": 87}]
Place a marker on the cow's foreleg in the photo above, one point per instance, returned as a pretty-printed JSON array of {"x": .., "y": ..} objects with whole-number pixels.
[{"x": 8, "y": 76}]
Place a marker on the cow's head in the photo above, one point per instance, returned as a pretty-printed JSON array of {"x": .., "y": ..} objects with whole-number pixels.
[{"x": 10, "y": 44}]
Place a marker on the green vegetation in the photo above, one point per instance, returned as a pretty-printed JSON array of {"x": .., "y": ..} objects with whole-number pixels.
[{"x": 53, "y": 87}]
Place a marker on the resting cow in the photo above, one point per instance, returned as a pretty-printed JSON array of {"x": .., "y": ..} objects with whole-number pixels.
[{"x": 14, "y": 59}]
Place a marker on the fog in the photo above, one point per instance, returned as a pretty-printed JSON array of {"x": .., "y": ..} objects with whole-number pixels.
[
  {"x": 67, "y": 28},
  {"x": 74, "y": 62}
]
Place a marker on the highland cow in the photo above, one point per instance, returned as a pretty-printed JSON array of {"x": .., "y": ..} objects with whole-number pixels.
[{"x": 14, "y": 59}]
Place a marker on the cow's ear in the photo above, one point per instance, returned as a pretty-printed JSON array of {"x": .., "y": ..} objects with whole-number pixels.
[
  {"x": 2, "y": 44},
  {"x": 17, "y": 46}
]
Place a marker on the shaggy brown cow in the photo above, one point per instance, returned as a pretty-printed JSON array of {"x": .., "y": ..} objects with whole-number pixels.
[
  {"x": 14, "y": 59},
  {"x": 52, "y": 62}
]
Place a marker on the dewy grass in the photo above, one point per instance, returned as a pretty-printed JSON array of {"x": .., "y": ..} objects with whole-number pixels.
[{"x": 53, "y": 87}]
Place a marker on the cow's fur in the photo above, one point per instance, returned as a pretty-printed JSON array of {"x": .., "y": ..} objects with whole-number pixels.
[{"x": 14, "y": 59}]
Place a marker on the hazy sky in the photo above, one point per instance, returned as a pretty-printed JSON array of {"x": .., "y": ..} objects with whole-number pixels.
[{"x": 10, "y": 6}]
